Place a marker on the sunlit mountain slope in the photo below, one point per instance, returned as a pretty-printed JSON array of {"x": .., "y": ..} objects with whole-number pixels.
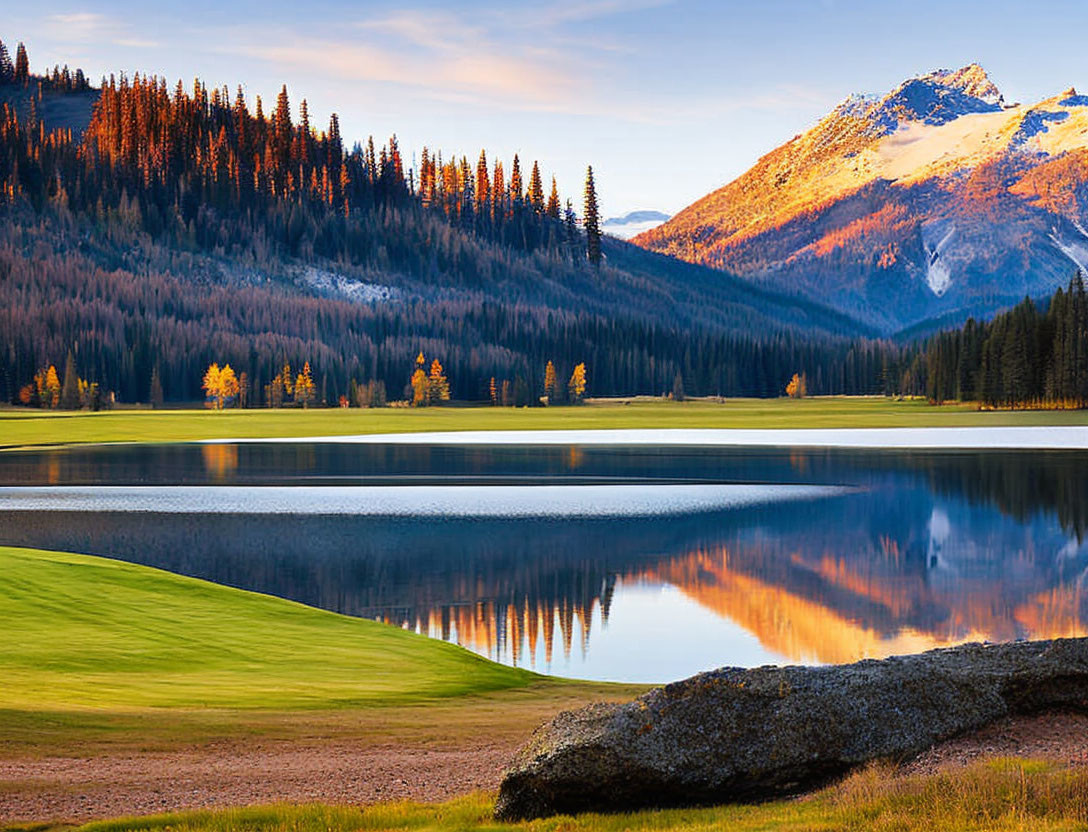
[{"x": 937, "y": 199}]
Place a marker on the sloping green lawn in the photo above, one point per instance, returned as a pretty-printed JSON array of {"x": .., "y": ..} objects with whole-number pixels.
[
  {"x": 20, "y": 427},
  {"x": 90, "y": 632}
]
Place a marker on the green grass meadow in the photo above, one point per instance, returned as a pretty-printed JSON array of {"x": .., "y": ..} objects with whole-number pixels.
[
  {"x": 101, "y": 654},
  {"x": 23, "y": 427},
  {"x": 93, "y": 632}
]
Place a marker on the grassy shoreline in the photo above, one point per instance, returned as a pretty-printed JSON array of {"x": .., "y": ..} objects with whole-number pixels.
[
  {"x": 27, "y": 428},
  {"x": 150, "y": 659}
]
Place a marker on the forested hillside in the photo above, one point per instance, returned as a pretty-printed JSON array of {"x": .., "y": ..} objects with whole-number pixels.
[
  {"x": 173, "y": 227},
  {"x": 1026, "y": 357}
]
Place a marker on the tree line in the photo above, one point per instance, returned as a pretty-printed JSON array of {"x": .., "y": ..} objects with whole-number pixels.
[
  {"x": 1034, "y": 355},
  {"x": 200, "y": 168}
]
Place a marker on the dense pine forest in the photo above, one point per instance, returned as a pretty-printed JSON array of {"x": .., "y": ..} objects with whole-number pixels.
[
  {"x": 1030, "y": 356},
  {"x": 161, "y": 229}
]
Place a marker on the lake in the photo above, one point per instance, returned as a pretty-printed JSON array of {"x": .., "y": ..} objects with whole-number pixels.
[{"x": 605, "y": 562}]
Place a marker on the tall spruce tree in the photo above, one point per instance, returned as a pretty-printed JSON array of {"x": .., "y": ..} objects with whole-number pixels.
[
  {"x": 155, "y": 389},
  {"x": 7, "y": 68},
  {"x": 536, "y": 190},
  {"x": 591, "y": 221},
  {"x": 69, "y": 390},
  {"x": 553, "y": 202},
  {"x": 517, "y": 189},
  {"x": 22, "y": 65}
]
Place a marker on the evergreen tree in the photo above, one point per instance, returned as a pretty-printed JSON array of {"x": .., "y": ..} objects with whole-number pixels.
[
  {"x": 7, "y": 68},
  {"x": 517, "y": 189},
  {"x": 570, "y": 225},
  {"x": 678, "y": 387},
  {"x": 69, "y": 391},
  {"x": 551, "y": 385},
  {"x": 22, "y": 65},
  {"x": 591, "y": 221},
  {"x": 553, "y": 202},
  {"x": 155, "y": 395},
  {"x": 483, "y": 186},
  {"x": 536, "y": 190}
]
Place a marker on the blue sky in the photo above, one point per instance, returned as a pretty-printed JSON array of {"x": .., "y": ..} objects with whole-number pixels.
[{"x": 667, "y": 100}]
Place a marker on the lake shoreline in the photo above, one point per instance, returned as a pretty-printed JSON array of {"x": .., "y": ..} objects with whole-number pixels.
[{"x": 1033, "y": 437}]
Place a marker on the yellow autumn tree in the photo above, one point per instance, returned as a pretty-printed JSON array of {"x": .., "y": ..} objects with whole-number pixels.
[
  {"x": 304, "y": 386},
  {"x": 797, "y": 387},
  {"x": 577, "y": 384},
  {"x": 219, "y": 384},
  {"x": 551, "y": 386},
  {"x": 287, "y": 379},
  {"x": 228, "y": 384},
  {"x": 419, "y": 382},
  {"x": 210, "y": 384},
  {"x": 419, "y": 388},
  {"x": 48, "y": 384},
  {"x": 438, "y": 386}
]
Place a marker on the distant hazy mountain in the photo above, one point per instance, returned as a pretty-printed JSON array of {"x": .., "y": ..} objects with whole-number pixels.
[
  {"x": 633, "y": 223},
  {"x": 937, "y": 200}
]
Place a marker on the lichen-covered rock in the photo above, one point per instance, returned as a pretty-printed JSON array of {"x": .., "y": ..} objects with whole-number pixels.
[{"x": 735, "y": 735}]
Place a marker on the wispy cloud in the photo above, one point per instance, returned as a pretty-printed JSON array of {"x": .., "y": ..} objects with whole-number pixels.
[
  {"x": 93, "y": 27},
  {"x": 486, "y": 78}
]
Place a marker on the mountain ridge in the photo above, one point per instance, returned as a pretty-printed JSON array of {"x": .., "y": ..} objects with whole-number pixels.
[{"x": 936, "y": 198}]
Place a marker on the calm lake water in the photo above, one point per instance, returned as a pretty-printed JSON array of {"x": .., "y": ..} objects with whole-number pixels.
[{"x": 597, "y": 562}]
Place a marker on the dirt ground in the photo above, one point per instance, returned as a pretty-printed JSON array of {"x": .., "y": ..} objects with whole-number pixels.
[
  {"x": 137, "y": 784},
  {"x": 236, "y": 773}
]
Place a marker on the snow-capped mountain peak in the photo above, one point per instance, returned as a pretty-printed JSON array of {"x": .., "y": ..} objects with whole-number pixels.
[
  {"x": 936, "y": 97},
  {"x": 972, "y": 80},
  {"x": 935, "y": 198}
]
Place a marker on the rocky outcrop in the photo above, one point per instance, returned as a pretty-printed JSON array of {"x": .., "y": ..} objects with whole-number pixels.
[{"x": 737, "y": 735}]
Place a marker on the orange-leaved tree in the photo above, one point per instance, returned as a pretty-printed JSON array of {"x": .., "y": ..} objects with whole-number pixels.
[
  {"x": 577, "y": 384},
  {"x": 551, "y": 386},
  {"x": 438, "y": 386},
  {"x": 419, "y": 382},
  {"x": 48, "y": 385},
  {"x": 304, "y": 386},
  {"x": 797, "y": 387}
]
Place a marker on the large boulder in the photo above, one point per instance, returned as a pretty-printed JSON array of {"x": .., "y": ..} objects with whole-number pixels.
[{"x": 739, "y": 735}]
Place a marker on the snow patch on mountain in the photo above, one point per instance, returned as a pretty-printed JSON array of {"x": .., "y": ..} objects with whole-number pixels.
[
  {"x": 337, "y": 285},
  {"x": 938, "y": 273},
  {"x": 918, "y": 150},
  {"x": 1075, "y": 251}
]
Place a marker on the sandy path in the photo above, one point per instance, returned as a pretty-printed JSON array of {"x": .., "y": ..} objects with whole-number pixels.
[
  {"x": 1059, "y": 737},
  {"x": 67, "y": 788},
  {"x": 84, "y": 789}
]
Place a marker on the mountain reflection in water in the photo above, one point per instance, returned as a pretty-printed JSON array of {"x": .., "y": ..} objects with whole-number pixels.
[{"x": 934, "y": 549}]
